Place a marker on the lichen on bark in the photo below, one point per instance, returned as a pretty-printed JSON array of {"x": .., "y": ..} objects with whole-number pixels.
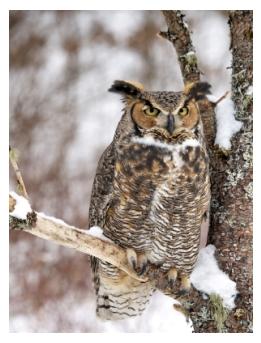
[
  {"x": 234, "y": 247},
  {"x": 231, "y": 176}
]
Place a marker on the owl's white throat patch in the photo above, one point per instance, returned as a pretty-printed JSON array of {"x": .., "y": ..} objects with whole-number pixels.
[{"x": 175, "y": 148}]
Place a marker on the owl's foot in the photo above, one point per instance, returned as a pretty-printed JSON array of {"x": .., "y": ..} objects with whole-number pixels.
[
  {"x": 138, "y": 262},
  {"x": 172, "y": 277},
  {"x": 185, "y": 284}
]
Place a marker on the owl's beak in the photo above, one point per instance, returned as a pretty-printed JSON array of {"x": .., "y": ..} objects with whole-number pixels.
[{"x": 170, "y": 123}]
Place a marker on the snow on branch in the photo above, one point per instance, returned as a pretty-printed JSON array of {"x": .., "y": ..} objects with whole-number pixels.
[
  {"x": 227, "y": 125},
  {"x": 55, "y": 230}
]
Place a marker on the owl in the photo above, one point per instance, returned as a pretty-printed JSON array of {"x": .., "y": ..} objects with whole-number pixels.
[{"x": 151, "y": 194}]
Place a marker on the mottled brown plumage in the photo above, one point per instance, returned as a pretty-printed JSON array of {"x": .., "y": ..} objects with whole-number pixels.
[{"x": 151, "y": 194}]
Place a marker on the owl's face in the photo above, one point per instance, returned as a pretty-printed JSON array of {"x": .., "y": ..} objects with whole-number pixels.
[{"x": 165, "y": 111}]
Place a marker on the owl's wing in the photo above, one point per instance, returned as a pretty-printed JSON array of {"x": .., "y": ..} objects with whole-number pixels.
[
  {"x": 101, "y": 192},
  {"x": 102, "y": 187}
]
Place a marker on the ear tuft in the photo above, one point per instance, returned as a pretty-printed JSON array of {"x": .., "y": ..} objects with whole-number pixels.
[
  {"x": 197, "y": 90},
  {"x": 130, "y": 88}
]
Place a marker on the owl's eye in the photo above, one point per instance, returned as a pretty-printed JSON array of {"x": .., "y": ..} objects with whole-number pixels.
[
  {"x": 183, "y": 111},
  {"x": 151, "y": 111}
]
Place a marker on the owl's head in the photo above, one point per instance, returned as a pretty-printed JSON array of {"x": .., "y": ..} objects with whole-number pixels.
[{"x": 165, "y": 111}]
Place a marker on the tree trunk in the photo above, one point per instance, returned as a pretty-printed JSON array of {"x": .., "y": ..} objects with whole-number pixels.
[
  {"x": 231, "y": 220},
  {"x": 231, "y": 177}
]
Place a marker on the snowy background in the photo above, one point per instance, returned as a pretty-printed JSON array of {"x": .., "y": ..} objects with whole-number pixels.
[{"x": 62, "y": 118}]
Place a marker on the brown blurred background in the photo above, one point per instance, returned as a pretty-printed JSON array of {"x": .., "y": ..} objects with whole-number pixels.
[{"x": 62, "y": 118}]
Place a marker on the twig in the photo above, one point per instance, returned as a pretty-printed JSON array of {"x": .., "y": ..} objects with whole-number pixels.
[
  {"x": 215, "y": 103},
  {"x": 13, "y": 160}
]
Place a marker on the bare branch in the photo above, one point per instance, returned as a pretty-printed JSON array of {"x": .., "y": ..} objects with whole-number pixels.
[
  {"x": 59, "y": 232},
  {"x": 72, "y": 237},
  {"x": 221, "y": 98},
  {"x": 178, "y": 34}
]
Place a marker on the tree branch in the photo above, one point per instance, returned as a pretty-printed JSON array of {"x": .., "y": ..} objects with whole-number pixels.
[
  {"x": 231, "y": 177},
  {"x": 69, "y": 236},
  {"x": 57, "y": 231},
  {"x": 178, "y": 35}
]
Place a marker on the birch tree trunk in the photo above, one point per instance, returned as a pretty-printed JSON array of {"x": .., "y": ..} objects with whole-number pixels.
[{"x": 231, "y": 176}]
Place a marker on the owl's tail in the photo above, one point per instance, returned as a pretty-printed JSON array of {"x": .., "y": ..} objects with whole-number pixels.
[{"x": 119, "y": 296}]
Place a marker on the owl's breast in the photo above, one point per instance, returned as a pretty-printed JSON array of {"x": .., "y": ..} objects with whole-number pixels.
[
  {"x": 154, "y": 186},
  {"x": 139, "y": 170}
]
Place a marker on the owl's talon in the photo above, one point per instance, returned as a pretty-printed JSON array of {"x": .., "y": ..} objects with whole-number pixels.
[
  {"x": 133, "y": 263},
  {"x": 142, "y": 264},
  {"x": 172, "y": 276},
  {"x": 142, "y": 268},
  {"x": 132, "y": 258},
  {"x": 185, "y": 284},
  {"x": 138, "y": 262}
]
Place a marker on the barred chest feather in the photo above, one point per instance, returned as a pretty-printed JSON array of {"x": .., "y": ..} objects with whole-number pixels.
[{"x": 160, "y": 194}]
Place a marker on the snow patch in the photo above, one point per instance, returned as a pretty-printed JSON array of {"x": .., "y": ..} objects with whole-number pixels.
[
  {"x": 22, "y": 206},
  {"x": 208, "y": 278},
  {"x": 53, "y": 219},
  {"x": 249, "y": 91},
  {"x": 97, "y": 231},
  {"x": 226, "y": 123},
  {"x": 212, "y": 98},
  {"x": 159, "y": 316}
]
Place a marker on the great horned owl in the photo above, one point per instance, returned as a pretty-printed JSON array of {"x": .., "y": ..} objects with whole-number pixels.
[{"x": 151, "y": 194}]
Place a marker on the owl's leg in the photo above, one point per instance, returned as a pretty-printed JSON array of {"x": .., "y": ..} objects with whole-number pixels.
[{"x": 138, "y": 261}]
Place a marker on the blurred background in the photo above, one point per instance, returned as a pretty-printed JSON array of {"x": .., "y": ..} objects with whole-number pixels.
[{"x": 61, "y": 120}]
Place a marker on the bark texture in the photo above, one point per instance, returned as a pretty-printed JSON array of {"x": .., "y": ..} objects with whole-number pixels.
[
  {"x": 231, "y": 221},
  {"x": 178, "y": 35},
  {"x": 231, "y": 179}
]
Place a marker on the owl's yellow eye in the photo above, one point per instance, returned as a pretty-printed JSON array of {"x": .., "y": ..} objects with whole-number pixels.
[
  {"x": 150, "y": 111},
  {"x": 183, "y": 111}
]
